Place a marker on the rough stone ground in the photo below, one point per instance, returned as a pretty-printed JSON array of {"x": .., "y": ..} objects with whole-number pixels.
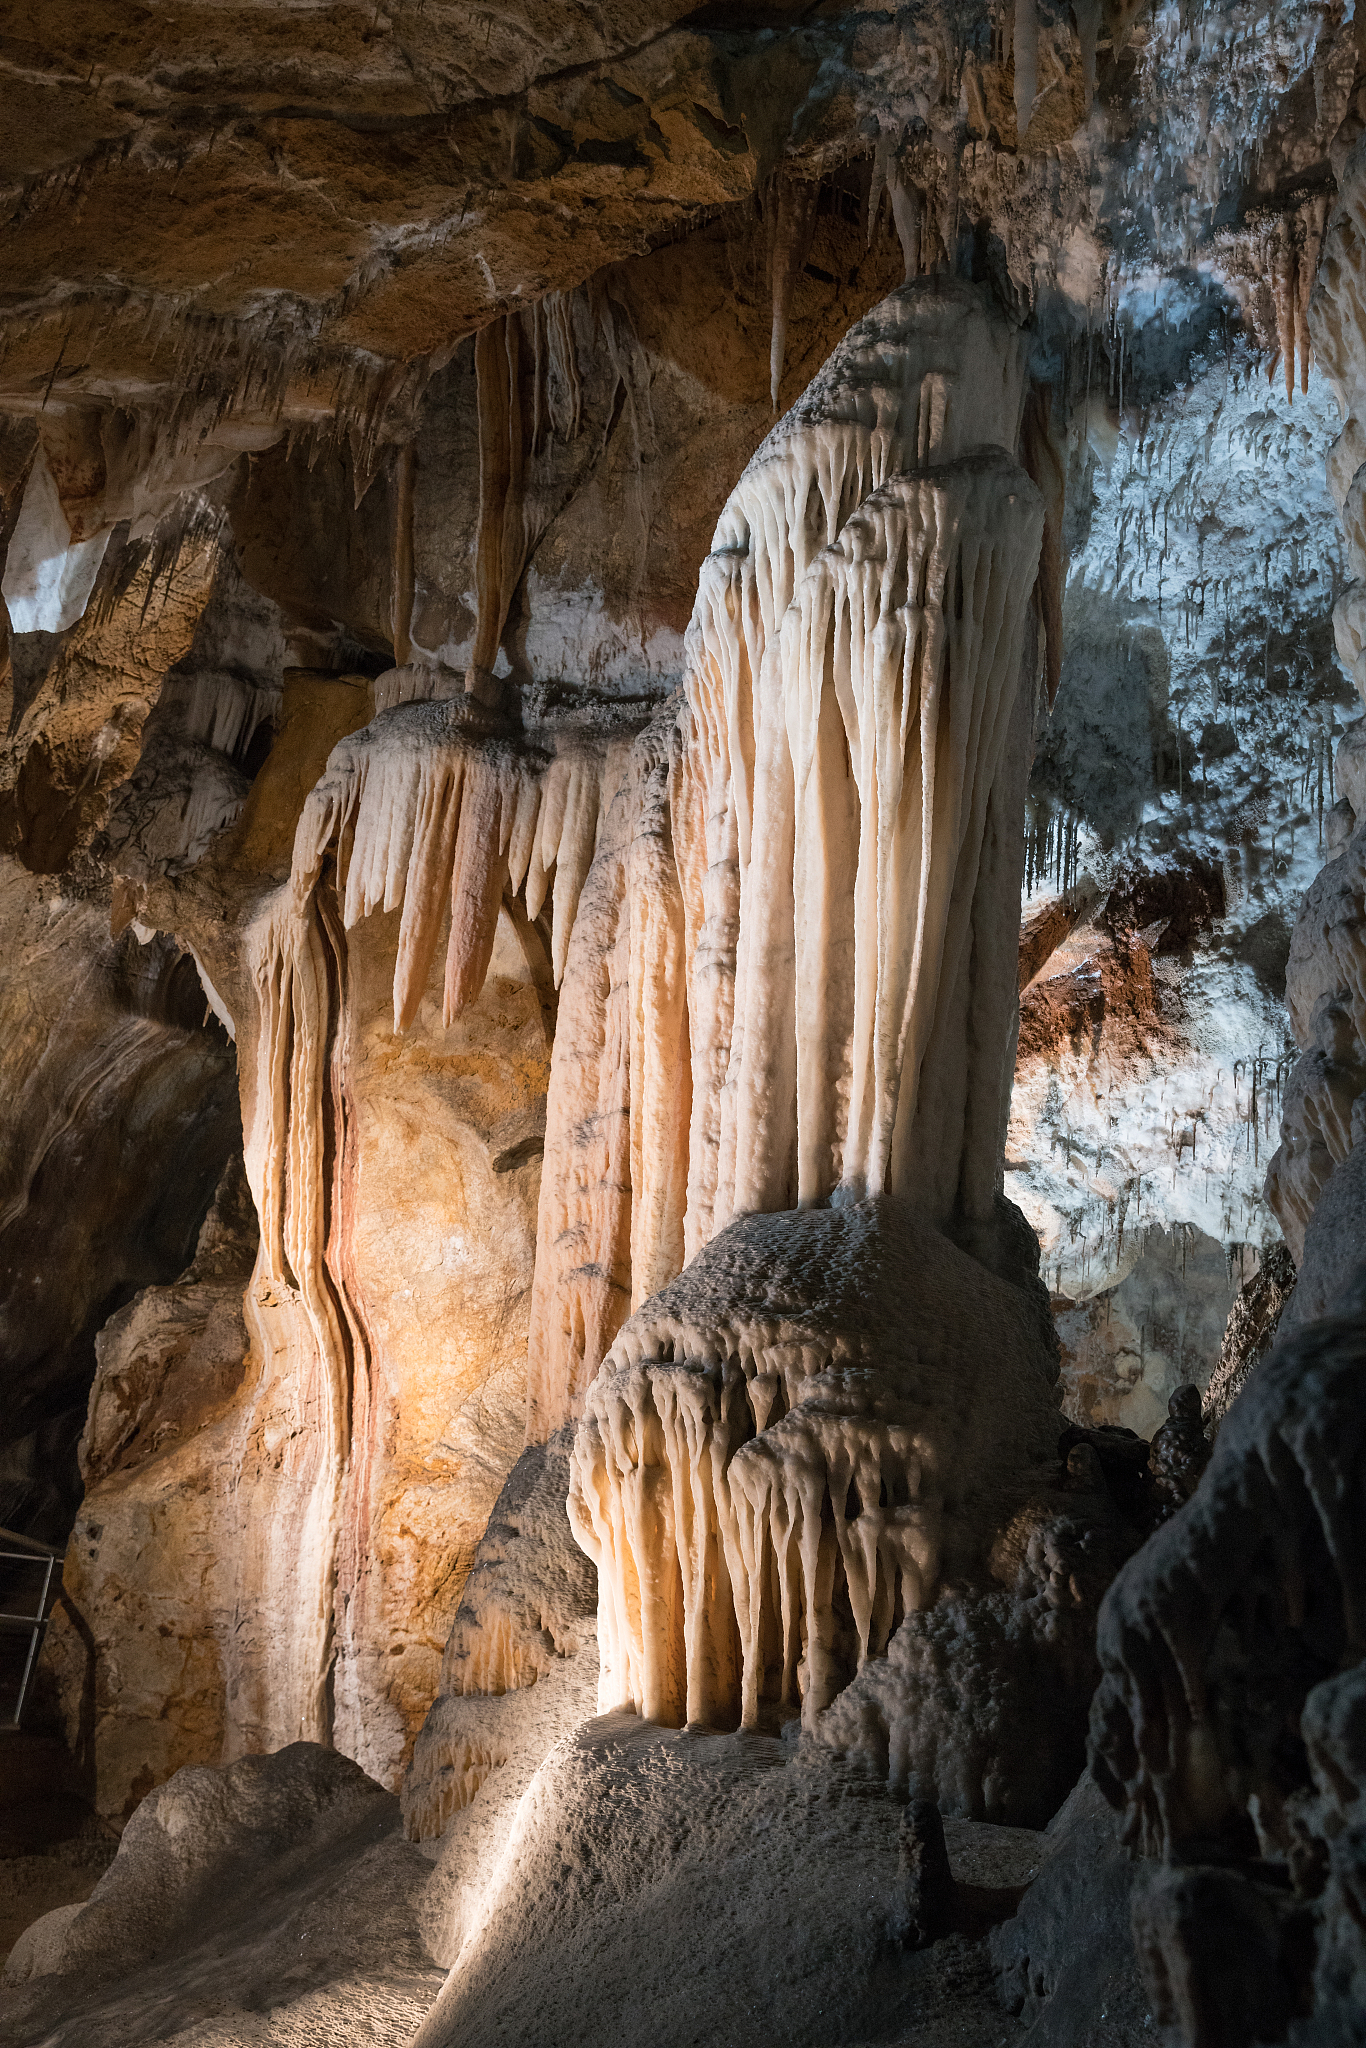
[
  {"x": 63, "y": 1875},
  {"x": 663, "y": 1886},
  {"x": 271, "y": 1902},
  {"x": 675, "y": 1887}
]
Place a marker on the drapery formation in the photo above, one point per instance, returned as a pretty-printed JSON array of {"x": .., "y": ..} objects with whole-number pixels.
[
  {"x": 845, "y": 821},
  {"x": 829, "y": 1415},
  {"x": 884, "y": 706},
  {"x": 927, "y": 376},
  {"x": 723, "y": 1506},
  {"x": 783, "y": 925},
  {"x": 436, "y": 811}
]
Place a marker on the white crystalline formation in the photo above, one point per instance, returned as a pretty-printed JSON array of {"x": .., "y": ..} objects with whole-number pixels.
[
  {"x": 796, "y": 894},
  {"x": 824, "y": 1419},
  {"x": 840, "y": 815}
]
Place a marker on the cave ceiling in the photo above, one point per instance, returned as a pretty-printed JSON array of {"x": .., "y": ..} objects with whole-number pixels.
[{"x": 268, "y": 213}]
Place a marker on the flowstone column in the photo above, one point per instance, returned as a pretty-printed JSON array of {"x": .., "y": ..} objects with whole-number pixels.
[{"x": 815, "y": 1471}]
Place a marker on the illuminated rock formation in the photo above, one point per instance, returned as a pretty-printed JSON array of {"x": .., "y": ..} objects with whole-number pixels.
[
  {"x": 1228, "y": 1726},
  {"x": 597, "y": 882},
  {"x": 836, "y": 1432},
  {"x": 769, "y": 1489}
]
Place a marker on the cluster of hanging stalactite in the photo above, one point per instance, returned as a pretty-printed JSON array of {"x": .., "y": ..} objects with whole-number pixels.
[{"x": 723, "y": 1506}]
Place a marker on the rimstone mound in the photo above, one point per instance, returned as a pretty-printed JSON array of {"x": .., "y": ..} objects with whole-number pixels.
[{"x": 835, "y": 1432}]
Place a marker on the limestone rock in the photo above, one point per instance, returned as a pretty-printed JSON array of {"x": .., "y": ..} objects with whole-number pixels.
[
  {"x": 266, "y": 1893},
  {"x": 1332, "y": 1245},
  {"x": 169, "y": 1363},
  {"x": 1222, "y": 1956},
  {"x": 134, "y": 1650},
  {"x": 594, "y": 807},
  {"x": 1187, "y": 1768},
  {"x": 1327, "y": 1000},
  {"x": 519, "y": 1672},
  {"x": 589, "y": 1931},
  {"x": 1066, "y": 1959},
  {"x": 1244, "y": 1772},
  {"x": 1179, "y": 1451},
  {"x": 121, "y": 1114},
  {"x": 1253, "y": 1322}
]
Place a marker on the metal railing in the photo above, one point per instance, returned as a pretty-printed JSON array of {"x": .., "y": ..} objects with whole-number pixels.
[{"x": 21, "y": 1633}]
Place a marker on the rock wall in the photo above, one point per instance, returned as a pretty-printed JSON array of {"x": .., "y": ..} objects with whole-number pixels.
[
  {"x": 123, "y": 1110},
  {"x": 1313, "y": 1180}
]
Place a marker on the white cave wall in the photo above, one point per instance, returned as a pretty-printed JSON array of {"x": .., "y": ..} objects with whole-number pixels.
[{"x": 1201, "y": 703}]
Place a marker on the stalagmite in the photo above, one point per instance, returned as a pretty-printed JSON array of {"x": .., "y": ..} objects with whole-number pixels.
[
  {"x": 763, "y": 1487},
  {"x": 925, "y": 377}
]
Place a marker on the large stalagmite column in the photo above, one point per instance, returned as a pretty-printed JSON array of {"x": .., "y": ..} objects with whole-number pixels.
[
  {"x": 784, "y": 922},
  {"x": 844, "y": 812},
  {"x": 857, "y": 650},
  {"x": 778, "y": 1466}
]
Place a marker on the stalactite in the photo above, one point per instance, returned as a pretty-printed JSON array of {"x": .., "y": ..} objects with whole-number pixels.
[
  {"x": 225, "y": 712},
  {"x": 1312, "y": 216},
  {"x": 610, "y": 1227},
  {"x": 1284, "y": 292},
  {"x": 878, "y": 178},
  {"x": 431, "y": 808},
  {"x": 1043, "y": 464},
  {"x": 1088, "y": 16},
  {"x": 1026, "y": 63},
  {"x": 907, "y": 211},
  {"x": 724, "y": 1479},
  {"x": 403, "y": 553},
  {"x": 293, "y": 1136},
  {"x": 502, "y": 458},
  {"x": 795, "y": 206}
]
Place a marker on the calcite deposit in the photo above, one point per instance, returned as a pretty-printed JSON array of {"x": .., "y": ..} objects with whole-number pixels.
[{"x": 681, "y": 966}]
